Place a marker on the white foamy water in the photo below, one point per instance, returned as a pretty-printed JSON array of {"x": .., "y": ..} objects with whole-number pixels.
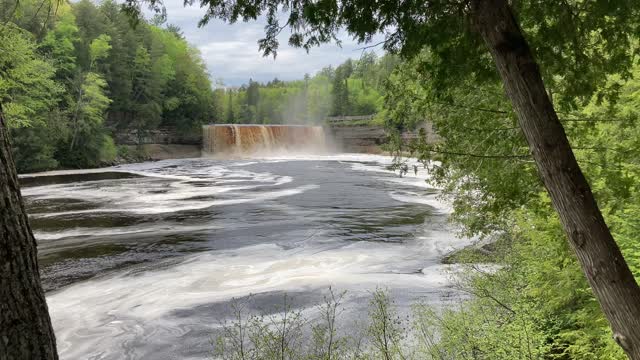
[{"x": 140, "y": 265}]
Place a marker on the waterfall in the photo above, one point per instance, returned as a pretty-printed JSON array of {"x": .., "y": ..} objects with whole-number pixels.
[{"x": 259, "y": 139}]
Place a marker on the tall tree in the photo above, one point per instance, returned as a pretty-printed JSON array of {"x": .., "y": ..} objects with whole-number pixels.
[
  {"x": 577, "y": 42},
  {"x": 118, "y": 71},
  {"x": 25, "y": 326},
  {"x": 340, "y": 90},
  {"x": 91, "y": 102},
  {"x": 231, "y": 119},
  {"x": 253, "y": 95},
  {"x": 145, "y": 105},
  {"x": 53, "y": 99},
  {"x": 26, "y": 88},
  {"x": 602, "y": 262}
]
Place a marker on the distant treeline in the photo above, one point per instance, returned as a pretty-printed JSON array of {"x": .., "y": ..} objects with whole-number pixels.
[
  {"x": 73, "y": 73},
  {"x": 356, "y": 87}
]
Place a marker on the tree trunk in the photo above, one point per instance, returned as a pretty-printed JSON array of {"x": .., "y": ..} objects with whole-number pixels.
[
  {"x": 606, "y": 270},
  {"x": 25, "y": 326}
]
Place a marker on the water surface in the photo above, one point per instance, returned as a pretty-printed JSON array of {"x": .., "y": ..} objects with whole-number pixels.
[{"x": 140, "y": 261}]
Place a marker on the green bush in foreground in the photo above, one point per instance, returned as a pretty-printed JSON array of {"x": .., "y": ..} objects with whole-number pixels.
[{"x": 288, "y": 334}]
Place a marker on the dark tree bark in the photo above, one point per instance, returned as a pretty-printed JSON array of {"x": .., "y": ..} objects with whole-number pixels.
[
  {"x": 602, "y": 262},
  {"x": 25, "y": 326}
]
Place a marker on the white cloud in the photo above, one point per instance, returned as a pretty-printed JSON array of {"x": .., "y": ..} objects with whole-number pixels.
[{"x": 231, "y": 51}]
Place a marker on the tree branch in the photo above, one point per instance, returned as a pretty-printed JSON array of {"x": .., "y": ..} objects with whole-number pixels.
[{"x": 483, "y": 156}]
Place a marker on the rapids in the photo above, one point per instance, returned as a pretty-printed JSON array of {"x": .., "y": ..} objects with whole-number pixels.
[{"x": 141, "y": 261}]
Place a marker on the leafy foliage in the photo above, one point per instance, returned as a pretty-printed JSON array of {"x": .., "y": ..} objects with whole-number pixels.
[
  {"x": 74, "y": 73},
  {"x": 27, "y": 88},
  {"x": 536, "y": 304},
  {"x": 285, "y": 333}
]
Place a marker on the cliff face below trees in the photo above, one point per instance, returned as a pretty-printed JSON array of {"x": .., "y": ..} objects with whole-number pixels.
[
  {"x": 160, "y": 144},
  {"x": 368, "y": 138},
  {"x": 165, "y": 135}
]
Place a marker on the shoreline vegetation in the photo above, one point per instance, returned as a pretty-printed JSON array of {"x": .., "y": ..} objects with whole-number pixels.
[{"x": 80, "y": 74}]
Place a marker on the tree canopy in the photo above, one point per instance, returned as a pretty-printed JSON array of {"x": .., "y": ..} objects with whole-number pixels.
[{"x": 76, "y": 74}]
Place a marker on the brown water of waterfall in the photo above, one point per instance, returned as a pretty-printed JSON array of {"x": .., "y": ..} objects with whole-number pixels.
[{"x": 247, "y": 140}]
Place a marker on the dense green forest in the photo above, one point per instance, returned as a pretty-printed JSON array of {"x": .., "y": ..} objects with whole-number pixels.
[
  {"x": 355, "y": 87},
  {"x": 76, "y": 73}
]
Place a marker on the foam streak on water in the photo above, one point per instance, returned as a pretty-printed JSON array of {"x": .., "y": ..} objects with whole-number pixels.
[{"x": 143, "y": 267}]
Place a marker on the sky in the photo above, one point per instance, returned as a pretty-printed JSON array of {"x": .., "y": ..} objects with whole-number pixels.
[{"x": 231, "y": 51}]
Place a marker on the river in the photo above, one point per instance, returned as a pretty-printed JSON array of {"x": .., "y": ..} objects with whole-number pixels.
[{"x": 140, "y": 261}]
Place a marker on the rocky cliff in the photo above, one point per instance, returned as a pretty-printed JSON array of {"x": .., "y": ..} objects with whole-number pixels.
[
  {"x": 160, "y": 144},
  {"x": 368, "y": 138},
  {"x": 166, "y": 143}
]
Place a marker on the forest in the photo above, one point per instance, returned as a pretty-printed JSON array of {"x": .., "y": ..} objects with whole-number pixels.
[
  {"x": 355, "y": 87},
  {"x": 76, "y": 73}
]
